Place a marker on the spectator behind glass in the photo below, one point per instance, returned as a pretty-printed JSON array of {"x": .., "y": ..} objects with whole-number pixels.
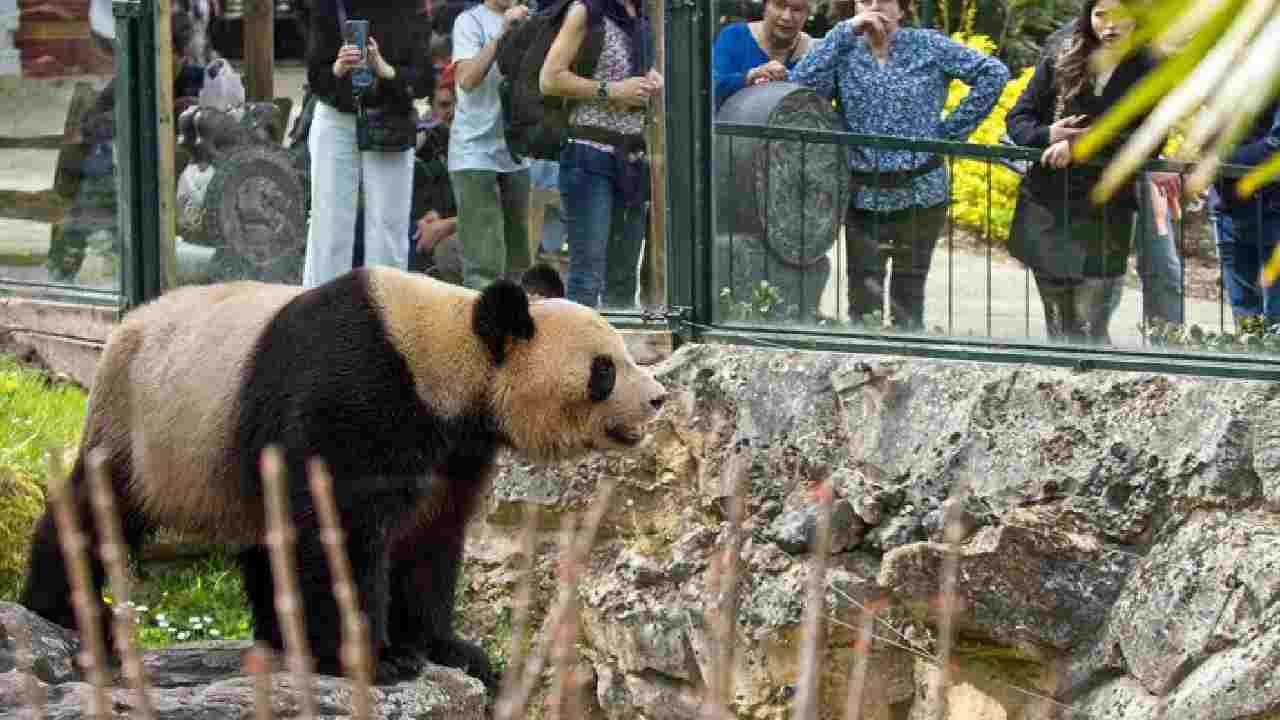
[
  {"x": 604, "y": 171},
  {"x": 435, "y": 247},
  {"x": 759, "y": 52},
  {"x": 341, "y": 174},
  {"x": 1248, "y": 230},
  {"x": 489, "y": 185},
  {"x": 1077, "y": 250},
  {"x": 893, "y": 80}
]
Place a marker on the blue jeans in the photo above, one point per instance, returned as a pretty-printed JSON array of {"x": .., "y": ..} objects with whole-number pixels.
[
  {"x": 604, "y": 236},
  {"x": 1158, "y": 263},
  {"x": 1246, "y": 239}
]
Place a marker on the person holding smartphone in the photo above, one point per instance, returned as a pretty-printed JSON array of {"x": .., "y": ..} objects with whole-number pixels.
[{"x": 399, "y": 71}]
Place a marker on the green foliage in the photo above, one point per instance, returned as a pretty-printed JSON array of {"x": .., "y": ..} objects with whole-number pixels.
[
  {"x": 765, "y": 304},
  {"x": 1019, "y": 27},
  {"x": 195, "y": 602},
  {"x": 39, "y": 417},
  {"x": 1253, "y": 335}
]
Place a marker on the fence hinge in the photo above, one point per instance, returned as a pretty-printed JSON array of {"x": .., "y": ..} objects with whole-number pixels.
[{"x": 676, "y": 317}]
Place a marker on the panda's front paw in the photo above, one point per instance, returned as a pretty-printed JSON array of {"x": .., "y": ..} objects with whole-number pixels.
[
  {"x": 467, "y": 657},
  {"x": 397, "y": 664}
]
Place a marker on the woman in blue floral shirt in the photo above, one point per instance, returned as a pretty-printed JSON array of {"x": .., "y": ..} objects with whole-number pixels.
[{"x": 892, "y": 80}]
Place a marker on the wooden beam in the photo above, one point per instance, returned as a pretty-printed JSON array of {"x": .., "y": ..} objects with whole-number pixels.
[
  {"x": 166, "y": 131},
  {"x": 656, "y": 254},
  {"x": 259, "y": 50}
]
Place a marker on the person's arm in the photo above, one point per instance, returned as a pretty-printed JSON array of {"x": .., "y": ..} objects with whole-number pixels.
[
  {"x": 1028, "y": 122},
  {"x": 474, "y": 55},
  {"x": 986, "y": 77},
  {"x": 558, "y": 79},
  {"x": 411, "y": 74},
  {"x": 817, "y": 69},
  {"x": 728, "y": 77}
]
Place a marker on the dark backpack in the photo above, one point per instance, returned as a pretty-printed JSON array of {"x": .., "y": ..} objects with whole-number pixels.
[{"x": 537, "y": 126}]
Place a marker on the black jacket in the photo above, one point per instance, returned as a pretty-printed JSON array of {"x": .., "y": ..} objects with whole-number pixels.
[
  {"x": 403, "y": 33},
  {"x": 1255, "y": 148},
  {"x": 1029, "y": 120}
]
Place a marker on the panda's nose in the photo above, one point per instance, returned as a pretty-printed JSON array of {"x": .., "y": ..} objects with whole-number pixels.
[{"x": 658, "y": 401}]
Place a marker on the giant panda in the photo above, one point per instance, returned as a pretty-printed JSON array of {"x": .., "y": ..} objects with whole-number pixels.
[{"x": 406, "y": 387}]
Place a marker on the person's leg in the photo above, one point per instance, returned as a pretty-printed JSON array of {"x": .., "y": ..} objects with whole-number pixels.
[
  {"x": 335, "y": 179},
  {"x": 865, "y": 261},
  {"x": 626, "y": 238},
  {"x": 1270, "y": 233},
  {"x": 513, "y": 189},
  {"x": 388, "y": 203},
  {"x": 1059, "y": 312},
  {"x": 586, "y": 199},
  {"x": 1096, "y": 300},
  {"x": 1239, "y": 269},
  {"x": 1158, "y": 263},
  {"x": 915, "y": 235},
  {"x": 480, "y": 230}
]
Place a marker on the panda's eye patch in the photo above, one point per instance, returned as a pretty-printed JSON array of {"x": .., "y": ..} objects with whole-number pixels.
[{"x": 603, "y": 376}]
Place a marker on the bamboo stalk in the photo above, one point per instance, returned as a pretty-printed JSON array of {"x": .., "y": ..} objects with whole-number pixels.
[
  {"x": 861, "y": 659},
  {"x": 811, "y": 647},
  {"x": 88, "y": 607},
  {"x": 563, "y": 700},
  {"x": 522, "y": 603},
  {"x": 112, "y": 548},
  {"x": 724, "y": 578},
  {"x": 33, "y": 696},
  {"x": 656, "y": 129},
  {"x": 257, "y": 662},
  {"x": 288, "y": 602},
  {"x": 572, "y": 562},
  {"x": 357, "y": 660},
  {"x": 947, "y": 606}
]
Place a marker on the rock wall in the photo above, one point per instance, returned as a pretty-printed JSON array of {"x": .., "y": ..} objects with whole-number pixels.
[{"x": 1121, "y": 552}]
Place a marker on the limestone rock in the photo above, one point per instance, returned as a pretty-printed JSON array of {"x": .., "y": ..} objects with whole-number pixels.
[{"x": 210, "y": 678}]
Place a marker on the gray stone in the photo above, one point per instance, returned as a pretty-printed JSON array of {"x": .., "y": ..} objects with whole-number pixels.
[
  {"x": 1120, "y": 699},
  {"x": 1215, "y": 583},
  {"x": 208, "y": 683},
  {"x": 1018, "y": 583},
  {"x": 620, "y": 694},
  {"x": 1266, "y": 453},
  {"x": 796, "y": 530},
  {"x": 1243, "y": 682},
  {"x": 54, "y": 648}
]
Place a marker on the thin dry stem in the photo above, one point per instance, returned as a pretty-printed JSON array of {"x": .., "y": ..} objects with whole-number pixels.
[
  {"x": 258, "y": 663},
  {"x": 33, "y": 696},
  {"x": 357, "y": 660},
  {"x": 288, "y": 602},
  {"x": 565, "y": 702},
  {"x": 953, "y": 533},
  {"x": 523, "y": 601},
  {"x": 724, "y": 619},
  {"x": 811, "y": 647},
  {"x": 111, "y": 547},
  {"x": 87, "y": 606},
  {"x": 861, "y": 661},
  {"x": 571, "y": 564}
]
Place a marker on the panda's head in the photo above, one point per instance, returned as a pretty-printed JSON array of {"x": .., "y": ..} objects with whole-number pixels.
[{"x": 563, "y": 379}]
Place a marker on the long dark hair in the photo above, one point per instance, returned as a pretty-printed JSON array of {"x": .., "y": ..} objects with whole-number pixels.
[
  {"x": 636, "y": 28},
  {"x": 1072, "y": 67}
]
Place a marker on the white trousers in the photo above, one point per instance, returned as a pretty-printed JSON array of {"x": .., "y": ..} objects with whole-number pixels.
[{"x": 336, "y": 170}]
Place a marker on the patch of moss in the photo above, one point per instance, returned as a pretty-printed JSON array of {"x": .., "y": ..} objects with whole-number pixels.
[{"x": 1007, "y": 663}]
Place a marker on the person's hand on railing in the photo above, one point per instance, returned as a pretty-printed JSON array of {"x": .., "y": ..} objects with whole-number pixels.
[
  {"x": 768, "y": 72},
  {"x": 1068, "y": 128},
  {"x": 1057, "y": 155},
  {"x": 1169, "y": 186}
]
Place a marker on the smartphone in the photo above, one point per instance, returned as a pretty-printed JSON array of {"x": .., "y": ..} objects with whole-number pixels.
[{"x": 356, "y": 33}]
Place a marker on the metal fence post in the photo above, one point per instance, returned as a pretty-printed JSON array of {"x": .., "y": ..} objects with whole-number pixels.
[
  {"x": 688, "y": 82},
  {"x": 136, "y": 146}
]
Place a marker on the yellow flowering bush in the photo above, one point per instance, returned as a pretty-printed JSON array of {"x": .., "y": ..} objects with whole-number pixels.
[{"x": 973, "y": 179}]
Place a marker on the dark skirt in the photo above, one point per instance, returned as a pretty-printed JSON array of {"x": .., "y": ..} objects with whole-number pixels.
[{"x": 1071, "y": 242}]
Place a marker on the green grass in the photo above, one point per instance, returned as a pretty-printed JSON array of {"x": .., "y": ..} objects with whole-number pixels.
[
  {"x": 189, "y": 602},
  {"x": 36, "y": 417},
  {"x": 198, "y": 601}
]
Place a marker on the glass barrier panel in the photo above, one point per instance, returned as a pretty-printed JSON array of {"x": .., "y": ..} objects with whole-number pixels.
[
  {"x": 252, "y": 204},
  {"x": 830, "y": 213},
  {"x": 58, "y": 226}
]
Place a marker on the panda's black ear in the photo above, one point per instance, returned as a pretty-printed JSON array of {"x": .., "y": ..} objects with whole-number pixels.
[{"x": 502, "y": 312}]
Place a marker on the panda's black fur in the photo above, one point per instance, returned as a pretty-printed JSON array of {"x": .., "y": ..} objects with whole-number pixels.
[{"x": 325, "y": 378}]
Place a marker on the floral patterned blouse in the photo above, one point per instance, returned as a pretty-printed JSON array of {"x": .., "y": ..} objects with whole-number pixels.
[{"x": 903, "y": 97}]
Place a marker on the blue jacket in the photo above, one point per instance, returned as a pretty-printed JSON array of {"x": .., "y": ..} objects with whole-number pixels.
[{"x": 1261, "y": 142}]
